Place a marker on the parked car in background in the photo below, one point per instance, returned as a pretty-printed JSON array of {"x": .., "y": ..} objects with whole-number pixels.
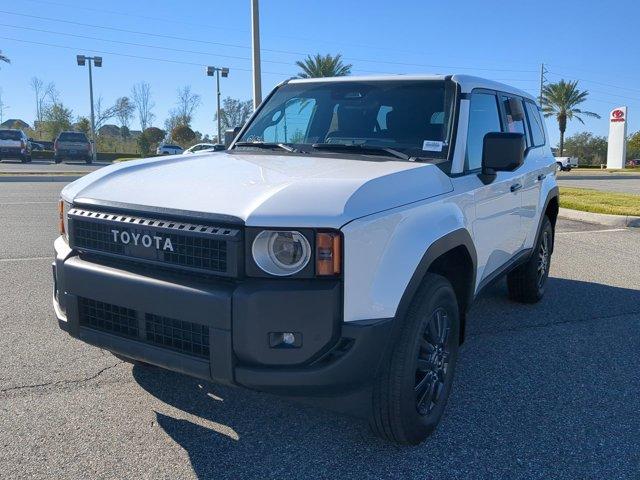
[
  {"x": 74, "y": 145},
  {"x": 204, "y": 147},
  {"x": 169, "y": 149},
  {"x": 36, "y": 146},
  {"x": 15, "y": 144},
  {"x": 565, "y": 164}
]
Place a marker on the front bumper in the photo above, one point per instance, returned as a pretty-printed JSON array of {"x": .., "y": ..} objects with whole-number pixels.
[{"x": 241, "y": 318}]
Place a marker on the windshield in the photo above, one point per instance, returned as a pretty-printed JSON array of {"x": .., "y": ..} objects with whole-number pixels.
[
  {"x": 10, "y": 135},
  {"x": 72, "y": 137},
  {"x": 412, "y": 117}
]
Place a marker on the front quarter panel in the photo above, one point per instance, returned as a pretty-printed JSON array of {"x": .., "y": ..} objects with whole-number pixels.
[{"x": 383, "y": 251}]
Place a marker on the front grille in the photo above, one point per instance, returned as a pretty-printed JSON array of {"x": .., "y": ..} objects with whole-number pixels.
[
  {"x": 185, "y": 337},
  {"x": 202, "y": 248},
  {"x": 177, "y": 335},
  {"x": 108, "y": 318}
]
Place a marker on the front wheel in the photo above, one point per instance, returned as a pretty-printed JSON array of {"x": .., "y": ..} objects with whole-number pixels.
[
  {"x": 526, "y": 283},
  {"x": 412, "y": 388},
  {"x": 559, "y": 167}
]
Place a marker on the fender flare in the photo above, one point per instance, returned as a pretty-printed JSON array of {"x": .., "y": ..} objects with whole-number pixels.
[
  {"x": 553, "y": 192},
  {"x": 451, "y": 240}
]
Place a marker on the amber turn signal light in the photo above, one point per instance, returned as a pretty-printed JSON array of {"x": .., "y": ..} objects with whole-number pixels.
[
  {"x": 328, "y": 253},
  {"x": 61, "y": 217}
]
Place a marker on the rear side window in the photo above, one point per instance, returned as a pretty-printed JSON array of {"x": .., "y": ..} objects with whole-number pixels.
[
  {"x": 483, "y": 118},
  {"x": 10, "y": 135},
  {"x": 72, "y": 137},
  {"x": 535, "y": 123},
  {"x": 514, "y": 115}
]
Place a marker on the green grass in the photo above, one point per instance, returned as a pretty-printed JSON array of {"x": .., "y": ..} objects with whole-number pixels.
[{"x": 588, "y": 200}]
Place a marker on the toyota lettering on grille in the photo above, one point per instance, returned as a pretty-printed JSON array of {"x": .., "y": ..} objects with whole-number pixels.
[{"x": 145, "y": 240}]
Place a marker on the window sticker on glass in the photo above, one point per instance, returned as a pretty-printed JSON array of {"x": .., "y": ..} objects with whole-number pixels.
[{"x": 432, "y": 146}]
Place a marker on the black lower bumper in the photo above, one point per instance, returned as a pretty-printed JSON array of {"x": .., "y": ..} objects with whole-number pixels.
[{"x": 153, "y": 319}]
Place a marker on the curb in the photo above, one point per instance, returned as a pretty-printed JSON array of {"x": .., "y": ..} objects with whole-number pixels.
[
  {"x": 600, "y": 218},
  {"x": 39, "y": 178}
]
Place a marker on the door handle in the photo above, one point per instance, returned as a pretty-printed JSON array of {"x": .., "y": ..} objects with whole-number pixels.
[
  {"x": 515, "y": 187},
  {"x": 542, "y": 176}
]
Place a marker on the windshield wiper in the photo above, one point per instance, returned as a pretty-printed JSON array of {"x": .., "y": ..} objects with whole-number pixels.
[
  {"x": 266, "y": 145},
  {"x": 364, "y": 149}
]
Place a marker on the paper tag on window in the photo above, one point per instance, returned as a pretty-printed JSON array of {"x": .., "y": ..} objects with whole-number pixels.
[{"x": 432, "y": 146}]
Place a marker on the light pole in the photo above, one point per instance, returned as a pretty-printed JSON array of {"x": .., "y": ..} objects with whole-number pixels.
[
  {"x": 255, "y": 54},
  {"x": 225, "y": 73},
  {"x": 97, "y": 61}
]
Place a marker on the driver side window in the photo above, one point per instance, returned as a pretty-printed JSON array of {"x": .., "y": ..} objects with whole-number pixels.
[
  {"x": 292, "y": 124},
  {"x": 483, "y": 118}
]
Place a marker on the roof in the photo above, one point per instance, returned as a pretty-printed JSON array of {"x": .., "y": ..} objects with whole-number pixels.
[
  {"x": 14, "y": 123},
  {"x": 466, "y": 82}
]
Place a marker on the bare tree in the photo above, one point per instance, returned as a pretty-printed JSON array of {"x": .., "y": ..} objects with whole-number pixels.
[
  {"x": 141, "y": 94},
  {"x": 3, "y": 107},
  {"x": 124, "y": 111},
  {"x": 44, "y": 95},
  {"x": 103, "y": 114},
  {"x": 187, "y": 104}
]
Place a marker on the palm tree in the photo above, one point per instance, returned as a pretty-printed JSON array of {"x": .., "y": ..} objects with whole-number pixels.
[
  {"x": 561, "y": 99},
  {"x": 4, "y": 58},
  {"x": 323, "y": 66}
]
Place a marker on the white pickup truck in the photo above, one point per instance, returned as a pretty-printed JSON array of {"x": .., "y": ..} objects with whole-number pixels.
[{"x": 331, "y": 252}]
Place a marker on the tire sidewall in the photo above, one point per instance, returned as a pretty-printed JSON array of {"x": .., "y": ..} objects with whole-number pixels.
[{"x": 418, "y": 426}]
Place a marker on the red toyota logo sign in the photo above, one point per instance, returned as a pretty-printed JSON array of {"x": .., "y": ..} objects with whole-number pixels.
[{"x": 617, "y": 115}]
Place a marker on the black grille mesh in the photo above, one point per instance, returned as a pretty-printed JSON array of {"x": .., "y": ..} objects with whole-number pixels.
[
  {"x": 109, "y": 318},
  {"x": 197, "y": 252},
  {"x": 95, "y": 236},
  {"x": 188, "y": 251},
  {"x": 185, "y": 337}
]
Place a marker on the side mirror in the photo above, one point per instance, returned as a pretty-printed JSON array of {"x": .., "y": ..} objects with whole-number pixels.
[
  {"x": 230, "y": 134},
  {"x": 501, "y": 152}
]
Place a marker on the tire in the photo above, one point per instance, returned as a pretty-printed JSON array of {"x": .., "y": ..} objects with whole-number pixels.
[
  {"x": 88, "y": 161},
  {"x": 568, "y": 169},
  {"x": 57, "y": 160},
  {"x": 418, "y": 363},
  {"x": 559, "y": 167},
  {"x": 24, "y": 159},
  {"x": 526, "y": 283}
]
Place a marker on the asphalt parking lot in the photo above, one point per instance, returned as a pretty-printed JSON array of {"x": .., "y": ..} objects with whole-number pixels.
[
  {"x": 542, "y": 391},
  {"x": 48, "y": 166}
]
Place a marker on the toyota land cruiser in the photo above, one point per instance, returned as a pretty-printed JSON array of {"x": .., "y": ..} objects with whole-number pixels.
[{"x": 332, "y": 251}]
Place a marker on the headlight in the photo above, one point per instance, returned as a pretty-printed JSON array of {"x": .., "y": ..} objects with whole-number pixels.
[
  {"x": 281, "y": 253},
  {"x": 63, "y": 212}
]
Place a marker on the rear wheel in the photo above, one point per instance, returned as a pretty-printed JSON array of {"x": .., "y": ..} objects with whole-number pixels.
[
  {"x": 411, "y": 391},
  {"x": 527, "y": 282}
]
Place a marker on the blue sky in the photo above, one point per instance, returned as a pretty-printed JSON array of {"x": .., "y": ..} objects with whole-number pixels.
[{"x": 593, "y": 41}]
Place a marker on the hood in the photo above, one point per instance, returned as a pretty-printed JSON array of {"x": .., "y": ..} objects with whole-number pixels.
[{"x": 263, "y": 189}]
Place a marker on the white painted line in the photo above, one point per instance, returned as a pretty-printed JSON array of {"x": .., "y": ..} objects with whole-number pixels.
[
  {"x": 594, "y": 231},
  {"x": 25, "y": 259},
  {"x": 27, "y": 203}
]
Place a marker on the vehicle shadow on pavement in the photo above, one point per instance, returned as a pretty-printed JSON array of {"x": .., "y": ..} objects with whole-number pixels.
[{"x": 547, "y": 391}]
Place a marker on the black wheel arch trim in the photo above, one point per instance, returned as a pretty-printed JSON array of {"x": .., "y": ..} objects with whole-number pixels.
[
  {"x": 454, "y": 239},
  {"x": 554, "y": 193}
]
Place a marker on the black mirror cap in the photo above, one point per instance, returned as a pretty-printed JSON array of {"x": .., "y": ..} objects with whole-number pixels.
[
  {"x": 502, "y": 151},
  {"x": 230, "y": 134}
]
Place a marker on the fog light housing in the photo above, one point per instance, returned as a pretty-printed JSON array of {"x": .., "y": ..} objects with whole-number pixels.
[{"x": 285, "y": 339}]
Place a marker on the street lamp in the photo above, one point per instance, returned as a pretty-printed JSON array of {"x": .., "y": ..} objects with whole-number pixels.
[
  {"x": 224, "y": 71},
  {"x": 97, "y": 61}
]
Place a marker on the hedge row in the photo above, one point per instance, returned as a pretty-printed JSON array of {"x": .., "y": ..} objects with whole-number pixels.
[{"x": 102, "y": 157}]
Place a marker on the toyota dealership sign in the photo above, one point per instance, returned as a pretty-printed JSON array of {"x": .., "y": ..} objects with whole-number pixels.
[{"x": 617, "y": 150}]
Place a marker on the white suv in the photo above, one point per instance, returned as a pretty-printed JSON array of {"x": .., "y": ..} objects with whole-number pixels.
[{"x": 332, "y": 252}]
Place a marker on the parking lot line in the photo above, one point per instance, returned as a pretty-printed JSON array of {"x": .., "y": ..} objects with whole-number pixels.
[{"x": 594, "y": 231}]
